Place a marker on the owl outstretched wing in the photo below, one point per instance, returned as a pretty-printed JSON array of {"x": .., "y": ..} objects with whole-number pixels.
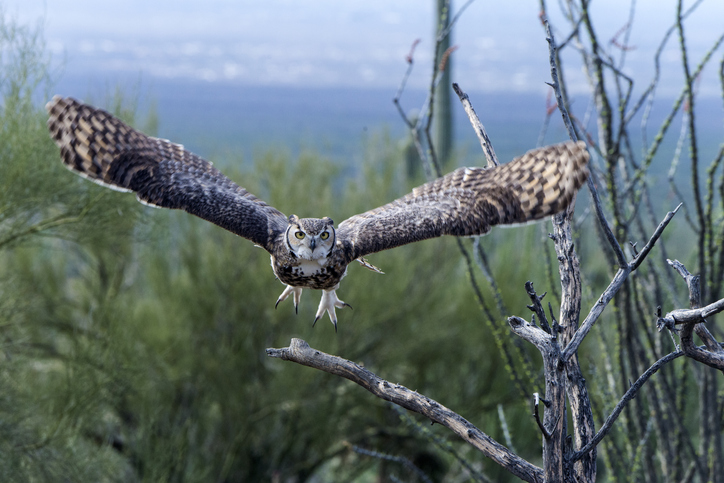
[
  {"x": 100, "y": 147},
  {"x": 469, "y": 201}
]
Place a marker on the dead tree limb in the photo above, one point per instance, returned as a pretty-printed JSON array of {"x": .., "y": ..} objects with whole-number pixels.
[
  {"x": 613, "y": 288},
  {"x": 477, "y": 126},
  {"x": 686, "y": 316},
  {"x": 301, "y": 353},
  {"x": 630, "y": 394},
  {"x": 554, "y": 418},
  {"x": 693, "y": 320},
  {"x": 552, "y": 48},
  {"x": 567, "y": 371}
]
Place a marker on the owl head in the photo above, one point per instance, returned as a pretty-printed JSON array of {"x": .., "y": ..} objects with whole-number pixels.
[{"x": 310, "y": 238}]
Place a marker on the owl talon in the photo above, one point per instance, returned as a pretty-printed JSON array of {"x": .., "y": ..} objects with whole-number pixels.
[
  {"x": 329, "y": 302},
  {"x": 297, "y": 291}
]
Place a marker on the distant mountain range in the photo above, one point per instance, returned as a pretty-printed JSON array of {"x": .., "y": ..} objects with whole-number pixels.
[{"x": 215, "y": 118}]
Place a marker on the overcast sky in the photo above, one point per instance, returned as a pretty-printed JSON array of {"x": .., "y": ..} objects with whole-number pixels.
[{"x": 358, "y": 43}]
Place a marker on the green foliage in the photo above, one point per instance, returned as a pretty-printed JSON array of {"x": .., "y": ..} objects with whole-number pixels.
[
  {"x": 133, "y": 339},
  {"x": 49, "y": 376}
]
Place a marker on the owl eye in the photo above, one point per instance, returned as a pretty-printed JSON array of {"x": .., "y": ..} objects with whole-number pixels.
[
  {"x": 324, "y": 235},
  {"x": 299, "y": 235}
]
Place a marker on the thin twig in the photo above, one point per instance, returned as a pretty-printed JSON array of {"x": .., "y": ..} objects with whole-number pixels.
[
  {"x": 620, "y": 257},
  {"x": 648, "y": 93},
  {"x": 639, "y": 258},
  {"x": 441, "y": 443},
  {"x": 630, "y": 394},
  {"x": 477, "y": 126},
  {"x": 410, "y": 58},
  {"x": 536, "y": 306},
  {"x": 481, "y": 260},
  {"x": 543, "y": 430},
  {"x": 612, "y": 289},
  {"x": 693, "y": 148},
  {"x": 658, "y": 139}
]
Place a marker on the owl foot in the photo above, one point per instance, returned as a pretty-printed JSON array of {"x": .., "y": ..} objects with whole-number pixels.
[
  {"x": 327, "y": 304},
  {"x": 297, "y": 291}
]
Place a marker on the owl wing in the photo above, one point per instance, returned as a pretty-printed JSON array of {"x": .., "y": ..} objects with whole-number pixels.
[
  {"x": 100, "y": 147},
  {"x": 469, "y": 201}
]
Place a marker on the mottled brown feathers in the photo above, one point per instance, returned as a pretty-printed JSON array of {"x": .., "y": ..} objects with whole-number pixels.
[
  {"x": 468, "y": 201},
  {"x": 100, "y": 147}
]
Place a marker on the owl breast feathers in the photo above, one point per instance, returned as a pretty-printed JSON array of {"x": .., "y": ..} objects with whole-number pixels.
[{"x": 311, "y": 252}]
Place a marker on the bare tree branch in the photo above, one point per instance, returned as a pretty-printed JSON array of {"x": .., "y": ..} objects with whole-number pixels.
[
  {"x": 697, "y": 314},
  {"x": 613, "y": 288},
  {"x": 554, "y": 419},
  {"x": 567, "y": 372},
  {"x": 536, "y": 307},
  {"x": 639, "y": 257},
  {"x": 685, "y": 316},
  {"x": 693, "y": 320},
  {"x": 301, "y": 353},
  {"x": 572, "y": 133},
  {"x": 410, "y": 58},
  {"x": 477, "y": 126},
  {"x": 630, "y": 394}
]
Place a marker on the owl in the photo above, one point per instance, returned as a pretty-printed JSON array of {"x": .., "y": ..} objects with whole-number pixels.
[{"x": 313, "y": 252}]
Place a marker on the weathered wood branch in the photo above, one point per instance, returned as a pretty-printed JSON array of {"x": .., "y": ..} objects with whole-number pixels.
[
  {"x": 554, "y": 417},
  {"x": 685, "y": 316},
  {"x": 630, "y": 394},
  {"x": 700, "y": 354},
  {"x": 693, "y": 320},
  {"x": 477, "y": 126},
  {"x": 536, "y": 307},
  {"x": 613, "y": 287},
  {"x": 598, "y": 206},
  {"x": 567, "y": 371},
  {"x": 301, "y": 353}
]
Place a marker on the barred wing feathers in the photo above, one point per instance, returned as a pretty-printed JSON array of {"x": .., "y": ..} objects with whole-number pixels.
[
  {"x": 100, "y": 147},
  {"x": 469, "y": 201}
]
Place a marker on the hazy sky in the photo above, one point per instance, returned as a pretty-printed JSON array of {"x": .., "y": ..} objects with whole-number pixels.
[{"x": 348, "y": 43}]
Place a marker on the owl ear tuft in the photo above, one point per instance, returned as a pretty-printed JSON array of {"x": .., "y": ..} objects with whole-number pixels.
[
  {"x": 294, "y": 219},
  {"x": 328, "y": 220}
]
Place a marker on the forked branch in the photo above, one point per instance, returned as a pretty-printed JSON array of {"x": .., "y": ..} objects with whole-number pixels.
[
  {"x": 686, "y": 316},
  {"x": 630, "y": 394},
  {"x": 694, "y": 320},
  {"x": 608, "y": 294}
]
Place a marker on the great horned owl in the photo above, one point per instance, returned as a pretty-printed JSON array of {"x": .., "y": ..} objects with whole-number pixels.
[{"x": 311, "y": 252}]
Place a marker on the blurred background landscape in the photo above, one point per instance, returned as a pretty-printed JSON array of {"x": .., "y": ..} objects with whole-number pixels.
[
  {"x": 133, "y": 339},
  {"x": 322, "y": 76}
]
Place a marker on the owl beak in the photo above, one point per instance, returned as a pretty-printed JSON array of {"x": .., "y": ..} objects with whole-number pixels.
[{"x": 313, "y": 243}]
